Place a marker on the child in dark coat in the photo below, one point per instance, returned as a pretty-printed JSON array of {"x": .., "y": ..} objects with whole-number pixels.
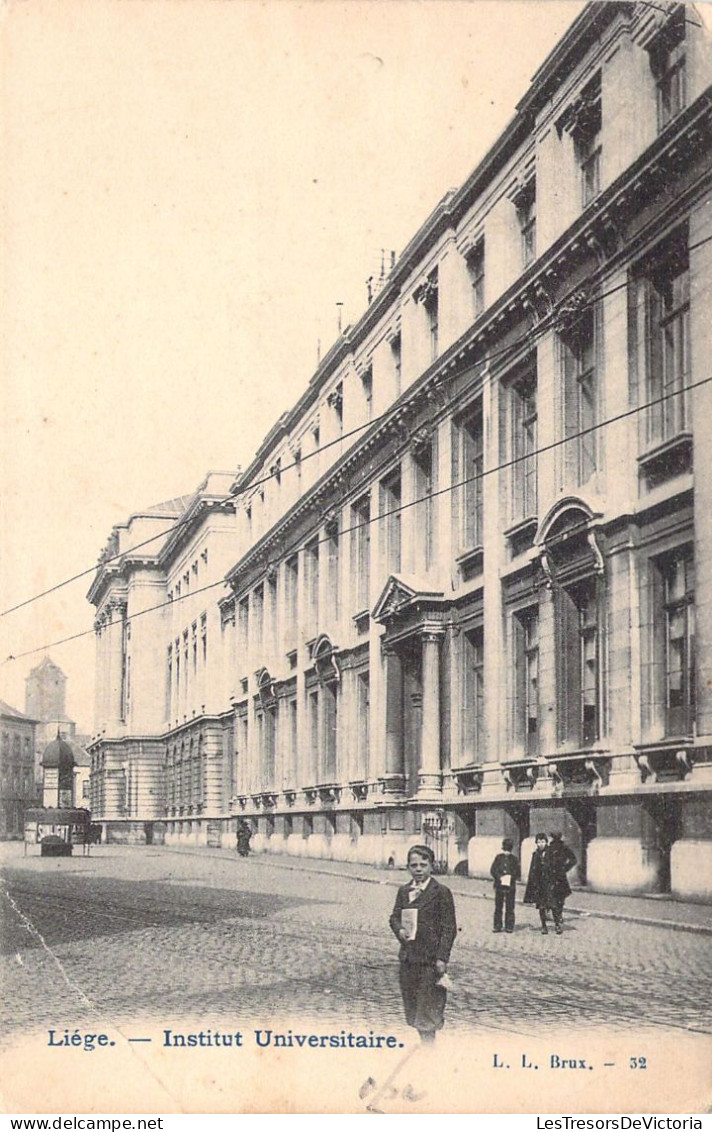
[
  {"x": 505, "y": 872},
  {"x": 548, "y": 885},
  {"x": 423, "y": 920}
]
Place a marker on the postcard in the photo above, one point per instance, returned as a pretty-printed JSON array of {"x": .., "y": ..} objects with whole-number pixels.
[{"x": 355, "y": 532}]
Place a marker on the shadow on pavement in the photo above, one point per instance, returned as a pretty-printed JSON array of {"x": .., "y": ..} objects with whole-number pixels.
[{"x": 63, "y": 909}]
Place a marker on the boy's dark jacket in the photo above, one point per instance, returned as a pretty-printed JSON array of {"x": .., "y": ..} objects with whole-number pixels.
[
  {"x": 505, "y": 864},
  {"x": 436, "y": 923}
]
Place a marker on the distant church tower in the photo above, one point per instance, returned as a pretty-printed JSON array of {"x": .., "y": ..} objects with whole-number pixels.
[{"x": 46, "y": 700}]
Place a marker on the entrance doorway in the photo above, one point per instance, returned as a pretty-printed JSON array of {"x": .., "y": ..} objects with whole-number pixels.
[
  {"x": 583, "y": 812},
  {"x": 665, "y": 812}
]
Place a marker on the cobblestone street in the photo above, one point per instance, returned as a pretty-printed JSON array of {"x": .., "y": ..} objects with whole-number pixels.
[
  {"x": 200, "y": 930},
  {"x": 156, "y": 936}
]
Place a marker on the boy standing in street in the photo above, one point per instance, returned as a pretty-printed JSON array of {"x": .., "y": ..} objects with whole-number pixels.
[
  {"x": 536, "y": 891},
  {"x": 423, "y": 920},
  {"x": 505, "y": 872}
]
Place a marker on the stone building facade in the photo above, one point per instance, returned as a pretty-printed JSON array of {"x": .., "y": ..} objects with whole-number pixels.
[
  {"x": 465, "y": 578},
  {"x": 18, "y": 789}
]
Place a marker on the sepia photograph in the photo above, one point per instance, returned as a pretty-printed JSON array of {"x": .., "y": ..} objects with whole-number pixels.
[{"x": 355, "y": 682}]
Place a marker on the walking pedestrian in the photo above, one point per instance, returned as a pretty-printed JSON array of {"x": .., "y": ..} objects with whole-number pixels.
[
  {"x": 423, "y": 920},
  {"x": 559, "y": 859},
  {"x": 505, "y": 873},
  {"x": 244, "y": 834}
]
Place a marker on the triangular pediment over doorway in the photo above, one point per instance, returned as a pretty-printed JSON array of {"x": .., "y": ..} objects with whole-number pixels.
[{"x": 400, "y": 594}]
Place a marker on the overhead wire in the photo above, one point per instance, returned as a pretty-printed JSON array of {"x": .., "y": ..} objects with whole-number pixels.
[
  {"x": 502, "y": 466},
  {"x": 530, "y": 337}
]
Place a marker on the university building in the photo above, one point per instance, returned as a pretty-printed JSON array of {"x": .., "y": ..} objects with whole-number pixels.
[{"x": 464, "y": 589}]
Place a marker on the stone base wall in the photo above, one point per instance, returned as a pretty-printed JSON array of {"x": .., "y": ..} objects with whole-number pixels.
[
  {"x": 627, "y": 865},
  {"x": 624, "y": 865},
  {"x": 691, "y": 870},
  {"x": 125, "y": 833}
]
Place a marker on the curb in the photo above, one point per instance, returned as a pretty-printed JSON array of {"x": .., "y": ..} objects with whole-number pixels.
[{"x": 362, "y": 878}]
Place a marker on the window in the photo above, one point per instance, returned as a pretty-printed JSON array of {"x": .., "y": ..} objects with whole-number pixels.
[
  {"x": 267, "y": 731},
  {"x": 257, "y": 617},
  {"x": 580, "y": 391},
  {"x": 526, "y": 214},
  {"x": 679, "y": 614},
  {"x": 242, "y": 750},
  {"x": 330, "y": 704},
  {"x": 297, "y": 458},
  {"x": 272, "y": 611},
  {"x": 395, "y": 345},
  {"x": 194, "y": 645},
  {"x": 332, "y": 566},
  {"x": 361, "y": 550},
  {"x": 125, "y": 667},
  {"x": 367, "y": 388},
  {"x": 314, "y": 737},
  {"x": 578, "y": 663},
  {"x": 363, "y": 707},
  {"x": 583, "y": 121},
  {"x": 391, "y": 526},
  {"x": 291, "y": 581},
  {"x": 427, "y": 295},
  {"x": 476, "y": 272},
  {"x": 668, "y": 659},
  {"x": 424, "y": 486},
  {"x": 311, "y": 562},
  {"x": 589, "y": 156},
  {"x": 467, "y": 471},
  {"x": 663, "y": 311},
  {"x": 336, "y": 401},
  {"x": 204, "y": 636},
  {"x": 243, "y": 625},
  {"x": 526, "y": 680},
  {"x": 523, "y": 448},
  {"x": 667, "y": 62},
  {"x": 472, "y": 728},
  {"x": 292, "y": 740}
]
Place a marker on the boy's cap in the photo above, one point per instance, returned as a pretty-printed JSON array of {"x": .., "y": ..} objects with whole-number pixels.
[{"x": 508, "y": 844}]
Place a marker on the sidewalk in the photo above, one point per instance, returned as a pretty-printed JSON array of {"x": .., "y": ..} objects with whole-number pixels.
[{"x": 654, "y": 911}]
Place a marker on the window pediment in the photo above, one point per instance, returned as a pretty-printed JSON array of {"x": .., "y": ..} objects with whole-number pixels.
[
  {"x": 325, "y": 657},
  {"x": 399, "y": 595}
]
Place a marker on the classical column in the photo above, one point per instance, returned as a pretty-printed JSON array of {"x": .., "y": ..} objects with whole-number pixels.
[
  {"x": 429, "y": 778},
  {"x": 115, "y": 635},
  {"x": 395, "y": 771}
]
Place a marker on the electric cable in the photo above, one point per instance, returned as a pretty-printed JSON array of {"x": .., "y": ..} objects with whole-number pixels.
[
  {"x": 531, "y": 336},
  {"x": 503, "y": 466}
]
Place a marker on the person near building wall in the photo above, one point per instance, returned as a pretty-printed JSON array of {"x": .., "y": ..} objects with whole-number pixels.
[{"x": 505, "y": 873}]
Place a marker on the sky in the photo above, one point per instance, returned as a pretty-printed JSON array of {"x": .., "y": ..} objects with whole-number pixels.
[{"x": 189, "y": 187}]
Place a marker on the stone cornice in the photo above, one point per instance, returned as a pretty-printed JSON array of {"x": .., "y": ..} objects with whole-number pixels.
[
  {"x": 449, "y": 212},
  {"x": 195, "y": 723},
  {"x": 201, "y": 508},
  {"x": 598, "y": 231}
]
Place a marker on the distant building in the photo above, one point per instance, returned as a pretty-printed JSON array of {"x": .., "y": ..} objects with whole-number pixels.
[
  {"x": 46, "y": 701},
  {"x": 58, "y": 775},
  {"x": 460, "y": 593},
  {"x": 18, "y": 791}
]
